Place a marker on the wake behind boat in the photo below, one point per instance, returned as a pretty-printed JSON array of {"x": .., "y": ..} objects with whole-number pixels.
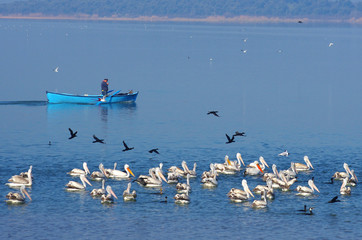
[{"x": 117, "y": 97}]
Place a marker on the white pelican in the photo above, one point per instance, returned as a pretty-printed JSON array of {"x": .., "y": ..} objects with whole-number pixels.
[
  {"x": 291, "y": 172},
  {"x": 77, "y": 172},
  {"x": 17, "y": 198},
  {"x": 259, "y": 189},
  {"x": 302, "y": 166},
  {"x": 184, "y": 187},
  {"x": 345, "y": 190},
  {"x": 238, "y": 195},
  {"x": 255, "y": 163},
  {"x": 283, "y": 183},
  {"x": 99, "y": 175},
  {"x": 209, "y": 178},
  {"x": 306, "y": 191},
  {"x": 108, "y": 198},
  {"x": 275, "y": 173},
  {"x": 178, "y": 170},
  {"x": 173, "y": 177},
  {"x": 128, "y": 195},
  {"x": 231, "y": 167},
  {"x": 76, "y": 186},
  {"x": 342, "y": 175},
  {"x": 118, "y": 174},
  {"x": 155, "y": 180},
  {"x": 251, "y": 170},
  {"x": 18, "y": 181},
  {"x": 182, "y": 198},
  {"x": 98, "y": 192},
  {"x": 192, "y": 172},
  {"x": 260, "y": 203}
]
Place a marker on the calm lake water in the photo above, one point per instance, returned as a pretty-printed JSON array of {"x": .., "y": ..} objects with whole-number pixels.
[{"x": 289, "y": 90}]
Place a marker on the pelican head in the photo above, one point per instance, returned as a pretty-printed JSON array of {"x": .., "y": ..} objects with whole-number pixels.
[
  {"x": 306, "y": 160},
  {"x": 85, "y": 167},
  {"x": 244, "y": 183},
  {"x": 238, "y": 156},
  {"x": 312, "y": 185},
  {"x": 126, "y": 167},
  {"x": 261, "y": 159},
  {"x": 110, "y": 191}
]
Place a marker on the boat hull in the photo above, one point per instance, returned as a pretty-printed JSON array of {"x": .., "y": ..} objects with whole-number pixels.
[{"x": 90, "y": 99}]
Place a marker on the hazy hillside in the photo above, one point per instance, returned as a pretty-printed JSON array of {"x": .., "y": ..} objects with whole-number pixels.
[{"x": 187, "y": 8}]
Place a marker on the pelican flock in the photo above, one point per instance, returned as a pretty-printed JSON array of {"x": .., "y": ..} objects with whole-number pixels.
[{"x": 282, "y": 180}]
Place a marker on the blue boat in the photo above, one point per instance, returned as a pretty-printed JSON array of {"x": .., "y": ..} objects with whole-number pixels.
[{"x": 116, "y": 97}]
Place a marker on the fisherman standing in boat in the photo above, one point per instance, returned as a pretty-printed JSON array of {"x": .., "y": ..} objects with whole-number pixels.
[{"x": 104, "y": 87}]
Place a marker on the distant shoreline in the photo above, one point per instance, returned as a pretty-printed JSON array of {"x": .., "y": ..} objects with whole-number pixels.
[{"x": 211, "y": 19}]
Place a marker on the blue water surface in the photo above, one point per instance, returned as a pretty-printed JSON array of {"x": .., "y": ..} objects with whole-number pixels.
[{"x": 289, "y": 90}]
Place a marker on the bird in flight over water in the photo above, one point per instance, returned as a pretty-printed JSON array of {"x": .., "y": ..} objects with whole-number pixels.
[
  {"x": 213, "y": 113},
  {"x": 72, "y": 134},
  {"x": 154, "y": 150},
  {"x": 97, "y": 139},
  {"x": 126, "y": 148},
  {"x": 56, "y": 69},
  {"x": 230, "y": 140},
  {"x": 239, "y": 134}
]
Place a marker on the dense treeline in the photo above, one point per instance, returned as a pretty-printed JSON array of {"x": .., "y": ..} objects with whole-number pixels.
[{"x": 188, "y": 8}]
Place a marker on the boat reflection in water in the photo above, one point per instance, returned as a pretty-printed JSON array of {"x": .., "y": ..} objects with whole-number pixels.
[{"x": 64, "y": 111}]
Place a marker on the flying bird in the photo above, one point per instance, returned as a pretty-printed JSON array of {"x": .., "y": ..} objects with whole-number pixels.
[
  {"x": 230, "y": 140},
  {"x": 330, "y": 44},
  {"x": 56, "y": 69},
  {"x": 72, "y": 134},
  {"x": 239, "y": 134},
  {"x": 213, "y": 113},
  {"x": 155, "y": 150},
  {"x": 97, "y": 139},
  {"x": 126, "y": 148}
]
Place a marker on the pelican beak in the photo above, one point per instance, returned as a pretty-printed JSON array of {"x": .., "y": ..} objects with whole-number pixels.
[
  {"x": 240, "y": 158},
  {"x": 129, "y": 170},
  {"x": 250, "y": 193},
  {"x": 86, "y": 180},
  {"x": 113, "y": 194},
  {"x": 315, "y": 187},
  {"x": 261, "y": 170},
  {"x": 86, "y": 169},
  {"x": 163, "y": 177},
  {"x": 263, "y": 160},
  {"x": 228, "y": 161},
  {"x": 27, "y": 194},
  {"x": 309, "y": 163}
]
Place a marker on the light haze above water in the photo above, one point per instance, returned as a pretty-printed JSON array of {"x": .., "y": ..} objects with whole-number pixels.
[{"x": 289, "y": 90}]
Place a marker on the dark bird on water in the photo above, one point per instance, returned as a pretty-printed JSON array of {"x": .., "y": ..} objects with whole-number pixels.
[
  {"x": 126, "y": 148},
  {"x": 213, "y": 113},
  {"x": 334, "y": 200},
  {"x": 154, "y": 150},
  {"x": 330, "y": 182},
  {"x": 97, "y": 139},
  {"x": 230, "y": 140},
  {"x": 72, "y": 134},
  {"x": 164, "y": 201},
  {"x": 239, "y": 134},
  {"x": 310, "y": 211},
  {"x": 303, "y": 210}
]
